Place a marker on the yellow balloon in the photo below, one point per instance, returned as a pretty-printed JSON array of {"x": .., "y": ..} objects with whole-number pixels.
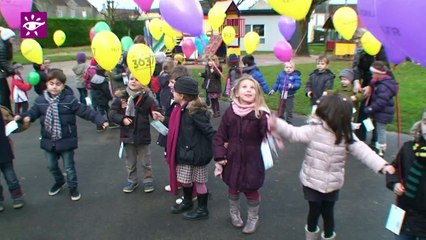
[
  {"x": 370, "y": 43},
  {"x": 169, "y": 42},
  {"x": 59, "y": 37},
  {"x": 345, "y": 21},
  {"x": 168, "y": 30},
  {"x": 216, "y": 17},
  {"x": 32, "y": 51},
  {"x": 228, "y": 34},
  {"x": 106, "y": 48},
  {"x": 296, "y": 9},
  {"x": 251, "y": 42},
  {"x": 141, "y": 62},
  {"x": 156, "y": 28}
]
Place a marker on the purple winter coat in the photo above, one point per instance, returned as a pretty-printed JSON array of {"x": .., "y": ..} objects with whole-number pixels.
[
  {"x": 382, "y": 107},
  {"x": 244, "y": 171}
]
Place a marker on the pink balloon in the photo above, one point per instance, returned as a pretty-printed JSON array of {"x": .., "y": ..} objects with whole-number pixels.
[
  {"x": 183, "y": 15},
  {"x": 283, "y": 51},
  {"x": 287, "y": 26},
  {"x": 92, "y": 33},
  {"x": 11, "y": 11},
  {"x": 145, "y": 5},
  {"x": 188, "y": 47}
]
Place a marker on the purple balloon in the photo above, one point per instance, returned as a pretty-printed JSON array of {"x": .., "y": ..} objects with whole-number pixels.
[
  {"x": 367, "y": 13},
  {"x": 183, "y": 15},
  {"x": 287, "y": 26},
  {"x": 394, "y": 54},
  {"x": 188, "y": 47},
  {"x": 403, "y": 24},
  {"x": 145, "y": 5},
  {"x": 11, "y": 11},
  {"x": 283, "y": 51}
]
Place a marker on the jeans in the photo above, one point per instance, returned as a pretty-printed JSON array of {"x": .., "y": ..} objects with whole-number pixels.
[
  {"x": 404, "y": 236},
  {"x": 11, "y": 180},
  {"x": 69, "y": 165},
  {"x": 83, "y": 95},
  {"x": 381, "y": 132}
]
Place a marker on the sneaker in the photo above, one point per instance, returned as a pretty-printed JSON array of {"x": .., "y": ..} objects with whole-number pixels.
[
  {"x": 148, "y": 187},
  {"x": 130, "y": 187},
  {"x": 1, "y": 206},
  {"x": 100, "y": 129},
  {"x": 55, "y": 189},
  {"x": 75, "y": 195},
  {"x": 167, "y": 188},
  {"x": 18, "y": 203}
]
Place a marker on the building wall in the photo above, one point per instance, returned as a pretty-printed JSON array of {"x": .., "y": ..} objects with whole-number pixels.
[{"x": 271, "y": 31}]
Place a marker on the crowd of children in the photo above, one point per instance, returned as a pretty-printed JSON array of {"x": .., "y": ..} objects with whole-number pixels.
[{"x": 191, "y": 143}]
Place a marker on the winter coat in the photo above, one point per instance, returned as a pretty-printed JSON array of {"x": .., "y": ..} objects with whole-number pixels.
[
  {"x": 212, "y": 81},
  {"x": 79, "y": 70},
  {"x": 194, "y": 144},
  {"x": 323, "y": 167},
  {"x": 244, "y": 170},
  {"x": 348, "y": 91},
  {"x": 415, "y": 217},
  {"x": 258, "y": 75},
  {"x": 318, "y": 83},
  {"x": 68, "y": 108},
  {"x": 6, "y": 152},
  {"x": 139, "y": 131},
  {"x": 41, "y": 85},
  {"x": 381, "y": 106},
  {"x": 101, "y": 94},
  {"x": 234, "y": 74},
  {"x": 19, "y": 89},
  {"x": 287, "y": 79},
  {"x": 5, "y": 71},
  {"x": 166, "y": 94}
]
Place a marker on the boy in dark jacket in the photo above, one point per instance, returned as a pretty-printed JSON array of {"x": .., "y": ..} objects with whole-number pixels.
[
  {"x": 101, "y": 94},
  {"x": 251, "y": 69},
  {"x": 409, "y": 183},
  {"x": 57, "y": 108},
  {"x": 320, "y": 80},
  {"x": 131, "y": 109}
]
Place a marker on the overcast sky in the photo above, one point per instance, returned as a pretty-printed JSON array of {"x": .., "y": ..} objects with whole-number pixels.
[{"x": 131, "y": 4}]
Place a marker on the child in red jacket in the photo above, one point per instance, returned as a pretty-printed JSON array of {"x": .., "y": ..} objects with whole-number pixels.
[{"x": 19, "y": 89}]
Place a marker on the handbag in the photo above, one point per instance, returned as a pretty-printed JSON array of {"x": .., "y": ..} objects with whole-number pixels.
[{"x": 267, "y": 148}]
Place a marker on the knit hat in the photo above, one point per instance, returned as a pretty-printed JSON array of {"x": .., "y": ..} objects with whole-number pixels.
[
  {"x": 6, "y": 33},
  {"x": 17, "y": 65},
  {"x": 186, "y": 85},
  {"x": 347, "y": 73},
  {"x": 233, "y": 58},
  {"x": 160, "y": 57},
  {"x": 81, "y": 57}
]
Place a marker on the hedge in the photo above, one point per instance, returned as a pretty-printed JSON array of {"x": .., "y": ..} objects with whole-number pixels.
[{"x": 77, "y": 31}]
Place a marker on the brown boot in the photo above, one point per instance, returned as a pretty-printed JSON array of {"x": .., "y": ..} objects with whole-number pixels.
[{"x": 253, "y": 217}]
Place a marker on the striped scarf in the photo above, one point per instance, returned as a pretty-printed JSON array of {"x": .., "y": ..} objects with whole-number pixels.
[
  {"x": 417, "y": 170},
  {"x": 51, "y": 122},
  {"x": 130, "y": 109}
]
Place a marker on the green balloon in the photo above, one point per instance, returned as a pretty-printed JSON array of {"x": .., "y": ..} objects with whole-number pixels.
[
  {"x": 102, "y": 26},
  {"x": 126, "y": 43},
  {"x": 33, "y": 78}
]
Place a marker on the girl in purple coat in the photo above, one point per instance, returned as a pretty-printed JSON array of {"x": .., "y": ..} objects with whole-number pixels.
[{"x": 236, "y": 149}]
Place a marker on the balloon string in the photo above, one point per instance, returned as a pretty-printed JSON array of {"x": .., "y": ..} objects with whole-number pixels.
[{"x": 220, "y": 72}]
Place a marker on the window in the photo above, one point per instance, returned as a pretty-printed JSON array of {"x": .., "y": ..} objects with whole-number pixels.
[
  {"x": 84, "y": 14},
  {"x": 259, "y": 28},
  {"x": 72, "y": 12}
]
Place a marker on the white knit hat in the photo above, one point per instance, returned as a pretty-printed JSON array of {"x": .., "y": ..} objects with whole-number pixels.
[{"x": 6, "y": 33}]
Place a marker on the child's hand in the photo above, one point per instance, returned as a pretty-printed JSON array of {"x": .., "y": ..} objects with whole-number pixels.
[
  {"x": 309, "y": 94},
  {"x": 157, "y": 116},
  {"x": 218, "y": 170},
  {"x": 105, "y": 125},
  {"x": 27, "y": 119},
  {"x": 223, "y": 162},
  {"x": 290, "y": 86},
  {"x": 388, "y": 169},
  {"x": 127, "y": 121},
  {"x": 123, "y": 103},
  {"x": 399, "y": 189},
  {"x": 353, "y": 98},
  {"x": 271, "y": 92},
  {"x": 226, "y": 145},
  {"x": 17, "y": 117}
]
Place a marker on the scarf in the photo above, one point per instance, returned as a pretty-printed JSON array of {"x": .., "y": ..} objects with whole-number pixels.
[
  {"x": 172, "y": 139},
  {"x": 51, "y": 122},
  {"x": 130, "y": 109},
  {"x": 240, "y": 109}
]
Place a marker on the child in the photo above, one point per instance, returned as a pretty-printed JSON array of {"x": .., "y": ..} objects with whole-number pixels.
[
  {"x": 166, "y": 95},
  {"x": 6, "y": 165},
  {"x": 236, "y": 148},
  {"x": 329, "y": 138},
  {"x": 57, "y": 108},
  {"x": 178, "y": 59},
  {"x": 189, "y": 146},
  {"x": 19, "y": 90},
  {"x": 320, "y": 80},
  {"x": 79, "y": 69},
  {"x": 288, "y": 82},
  {"x": 234, "y": 73},
  {"x": 251, "y": 69},
  {"x": 409, "y": 183},
  {"x": 380, "y": 105},
  {"x": 41, "y": 85},
  {"x": 131, "y": 109},
  {"x": 101, "y": 94},
  {"x": 212, "y": 83}
]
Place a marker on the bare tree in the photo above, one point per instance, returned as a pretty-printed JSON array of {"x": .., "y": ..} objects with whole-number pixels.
[
  {"x": 110, "y": 13},
  {"x": 211, "y": 3}
]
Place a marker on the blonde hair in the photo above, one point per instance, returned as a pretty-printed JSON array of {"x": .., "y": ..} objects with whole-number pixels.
[
  {"x": 168, "y": 66},
  {"x": 291, "y": 63},
  {"x": 214, "y": 58},
  {"x": 259, "y": 101}
]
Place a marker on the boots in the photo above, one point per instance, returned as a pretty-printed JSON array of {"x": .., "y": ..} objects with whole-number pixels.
[
  {"x": 215, "y": 107},
  {"x": 312, "y": 235},
  {"x": 253, "y": 217},
  {"x": 234, "y": 212},
  {"x": 186, "y": 204},
  {"x": 201, "y": 212},
  {"x": 381, "y": 149},
  {"x": 333, "y": 237}
]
